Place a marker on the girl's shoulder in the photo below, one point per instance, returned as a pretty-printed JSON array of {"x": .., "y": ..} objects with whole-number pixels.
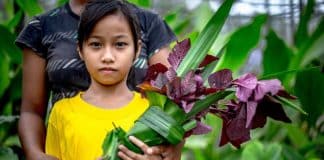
[{"x": 65, "y": 105}]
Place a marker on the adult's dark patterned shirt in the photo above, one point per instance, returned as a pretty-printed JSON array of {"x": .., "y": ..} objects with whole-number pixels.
[{"x": 53, "y": 36}]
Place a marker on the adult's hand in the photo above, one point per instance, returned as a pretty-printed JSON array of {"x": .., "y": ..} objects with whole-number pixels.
[
  {"x": 42, "y": 156},
  {"x": 127, "y": 154},
  {"x": 168, "y": 152}
]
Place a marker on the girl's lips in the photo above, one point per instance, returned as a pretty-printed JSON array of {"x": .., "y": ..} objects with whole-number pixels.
[{"x": 107, "y": 70}]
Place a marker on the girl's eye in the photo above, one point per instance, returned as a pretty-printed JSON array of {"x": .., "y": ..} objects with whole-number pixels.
[
  {"x": 95, "y": 45},
  {"x": 121, "y": 44}
]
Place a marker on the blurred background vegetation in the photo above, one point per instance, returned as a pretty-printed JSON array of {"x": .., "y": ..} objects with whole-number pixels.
[{"x": 272, "y": 38}]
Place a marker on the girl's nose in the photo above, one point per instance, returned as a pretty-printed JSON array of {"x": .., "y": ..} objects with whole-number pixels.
[{"x": 108, "y": 56}]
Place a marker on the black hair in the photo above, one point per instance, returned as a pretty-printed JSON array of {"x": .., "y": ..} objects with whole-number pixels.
[{"x": 95, "y": 10}]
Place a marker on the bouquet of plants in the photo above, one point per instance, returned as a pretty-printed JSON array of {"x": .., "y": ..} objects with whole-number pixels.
[{"x": 181, "y": 95}]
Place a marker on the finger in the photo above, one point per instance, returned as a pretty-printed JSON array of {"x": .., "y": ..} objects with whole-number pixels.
[
  {"x": 123, "y": 156},
  {"x": 139, "y": 143},
  {"x": 49, "y": 157},
  {"x": 156, "y": 150},
  {"x": 128, "y": 152}
]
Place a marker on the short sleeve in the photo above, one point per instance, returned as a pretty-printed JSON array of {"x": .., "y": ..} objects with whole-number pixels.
[
  {"x": 52, "y": 144},
  {"x": 31, "y": 37},
  {"x": 159, "y": 33}
]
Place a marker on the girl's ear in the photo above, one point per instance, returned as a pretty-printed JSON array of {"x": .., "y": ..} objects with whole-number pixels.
[{"x": 79, "y": 52}]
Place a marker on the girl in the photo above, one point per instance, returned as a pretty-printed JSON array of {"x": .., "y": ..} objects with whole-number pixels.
[
  {"x": 108, "y": 41},
  {"x": 51, "y": 65}
]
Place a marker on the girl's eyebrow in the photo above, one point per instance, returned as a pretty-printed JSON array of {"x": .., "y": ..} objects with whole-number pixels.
[
  {"x": 95, "y": 36},
  {"x": 121, "y": 36},
  {"x": 116, "y": 36}
]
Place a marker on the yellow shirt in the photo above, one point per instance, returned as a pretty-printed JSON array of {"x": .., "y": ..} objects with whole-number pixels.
[{"x": 76, "y": 129}]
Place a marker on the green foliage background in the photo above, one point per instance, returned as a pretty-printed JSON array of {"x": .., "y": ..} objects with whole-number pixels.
[{"x": 299, "y": 65}]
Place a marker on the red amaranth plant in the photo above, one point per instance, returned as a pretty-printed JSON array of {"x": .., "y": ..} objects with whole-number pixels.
[{"x": 254, "y": 100}]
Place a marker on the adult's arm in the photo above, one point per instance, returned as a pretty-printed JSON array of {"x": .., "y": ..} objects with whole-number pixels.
[
  {"x": 161, "y": 56},
  {"x": 31, "y": 125}
]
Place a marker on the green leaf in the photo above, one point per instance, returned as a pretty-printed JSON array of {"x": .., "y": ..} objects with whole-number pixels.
[
  {"x": 290, "y": 104},
  {"x": 170, "y": 17},
  {"x": 296, "y": 135},
  {"x": 273, "y": 151},
  {"x": 181, "y": 26},
  {"x": 165, "y": 125},
  {"x": 276, "y": 51},
  {"x": 309, "y": 88},
  {"x": 310, "y": 48},
  {"x": 7, "y": 46},
  {"x": 173, "y": 110},
  {"x": 4, "y": 71},
  {"x": 205, "y": 39},
  {"x": 189, "y": 125},
  {"x": 209, "y": 100},
  {"x": 31, "y": 7},
  {"x": 201, "y": 15},
  {"x": 315, "y": 49},
  {"x": 110, "y": 144},
  {"x": 7, "y": 109},
  {"x": 253, "y": 151},
  {"x": 15, "y": 87},
  {"x": 290, "y": 153},
  {"x": 15, "y": 20},
  {"x": 241, "y": 44},
  {"x": 7, "y": 153},
  {"x": 142, "y": 3},
  {"x": 12, "y": 141},
  {"x": 156, "y": 99},
  {"x": 61, "y": 2},
  {"x": 193, "y": 36},
  {"x": 302, "y": 31},
  {"x": 283, "y": 73}
]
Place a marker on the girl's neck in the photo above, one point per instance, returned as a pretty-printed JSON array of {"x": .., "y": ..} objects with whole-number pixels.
[
  {"x": 109, "y": 97},
  {"x": 77, "y": 6}
]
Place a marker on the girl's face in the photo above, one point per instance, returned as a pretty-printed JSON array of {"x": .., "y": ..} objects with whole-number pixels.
[{"x": 109, "y": 51}]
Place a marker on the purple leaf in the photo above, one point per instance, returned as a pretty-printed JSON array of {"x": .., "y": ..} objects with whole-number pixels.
[
  {"x": 178, "y": 53},
  {"x": 208, "y": 59},
  {"x": 247, "y": 81},
  {"x": 201, "y": 129},
  {"x": 251, "y": 107},
  {"x": 174, "y": 89},
  {"x": 154, "y": 70},
  {"x": 160, "y": 81},
  {"x": 285, "y": 94},
  {"x": 268, "y": 107},
  {"x": 224, "y": 138},
  {"x": 266, "y": 86},
  {"x": 221, "y": 79},
  {"x": 274, "y": 110},
  {"x": 199, "y": 81},
  {"x": 170, "y": 74},
  {"x": 188, "y": 84},
  {"x": 245, "y": 86},
  {"x": 186, "y": 106},
  {"x": 243, "y": 94},
  {"x": 234, "y": 130}
]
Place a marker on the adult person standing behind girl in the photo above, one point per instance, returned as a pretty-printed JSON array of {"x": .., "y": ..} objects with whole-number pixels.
[{"x": 51, "y": 64}]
